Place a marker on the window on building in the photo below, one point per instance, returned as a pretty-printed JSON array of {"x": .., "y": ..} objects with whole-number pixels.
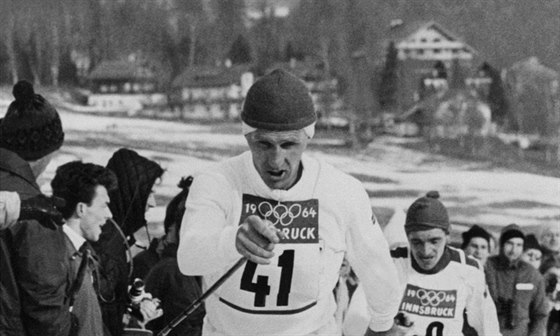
[
  {"x": 437, "y": 40},
  {"x": 423, "y": 40},
  {"x": 420, "y": 52},
  {"x": 437, "y": 51}
]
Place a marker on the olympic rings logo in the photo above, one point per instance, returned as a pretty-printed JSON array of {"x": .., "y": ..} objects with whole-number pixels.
[
  {"x": 431, "y": 297},
  {"x": 280, "y": 212}
]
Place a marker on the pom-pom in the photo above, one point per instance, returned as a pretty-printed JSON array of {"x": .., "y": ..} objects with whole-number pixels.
[
  {"x": 433, "y": 194},
  {"x": 23, "y": 91},
  {"x": 185, "y": 182}
]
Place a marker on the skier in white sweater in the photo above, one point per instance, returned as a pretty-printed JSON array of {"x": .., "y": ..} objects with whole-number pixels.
[{"x": 293, "y": 217}]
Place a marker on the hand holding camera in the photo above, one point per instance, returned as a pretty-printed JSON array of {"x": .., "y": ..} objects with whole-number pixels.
[{"x": 143, "y": 306}]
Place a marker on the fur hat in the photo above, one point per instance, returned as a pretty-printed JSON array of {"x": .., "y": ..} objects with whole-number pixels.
[
  {"x": 474, "y": 231},
  {"x": 427, "y": 213},
  {"x": 279, "y": 101},
  {"x": 511, "y": 231},
  {"x": 32, "y": 127}
]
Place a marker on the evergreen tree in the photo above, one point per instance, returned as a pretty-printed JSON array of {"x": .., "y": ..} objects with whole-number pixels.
[
  {"x": 457, "y": 75},
  {"x": 496, "y": 95},
  {"x": 388, "y": 82},
  {"x": 240, "y": 51}
]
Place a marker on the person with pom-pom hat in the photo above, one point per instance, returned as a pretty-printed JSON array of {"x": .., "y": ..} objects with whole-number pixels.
[
  {"x": 33, "y": 264},
  {"x": 443, "y": 290}
]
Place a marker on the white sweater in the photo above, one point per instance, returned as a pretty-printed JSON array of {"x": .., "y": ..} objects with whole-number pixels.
[{"x": 327, "y": 215}]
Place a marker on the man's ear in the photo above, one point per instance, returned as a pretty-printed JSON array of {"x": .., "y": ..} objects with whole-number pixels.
[{"x": 80, "y": 209}]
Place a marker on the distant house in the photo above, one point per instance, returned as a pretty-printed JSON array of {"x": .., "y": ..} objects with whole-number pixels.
[
  {"x": 123, "y": 86},
  {"x": 426, "y": 52},
  {"x": 449, "y": 115},
  {"x": 212, "y": 91}
]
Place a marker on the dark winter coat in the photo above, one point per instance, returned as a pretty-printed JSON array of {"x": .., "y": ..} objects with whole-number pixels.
[
  {"x": 176, "y": 292},
  {"x": 34, "y": 271},
  {"x": 518, "y": 292},
  {"x": 136, "y": 176}
]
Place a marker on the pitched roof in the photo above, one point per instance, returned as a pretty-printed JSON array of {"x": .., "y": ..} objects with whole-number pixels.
[
  {"x": 120, "y": 70},
  {"x": 211, "y": 76},
  {"x": 401, "y": 32}
]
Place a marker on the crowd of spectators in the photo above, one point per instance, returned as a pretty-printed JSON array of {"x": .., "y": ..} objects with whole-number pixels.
[{"x": 67, "y": 267}]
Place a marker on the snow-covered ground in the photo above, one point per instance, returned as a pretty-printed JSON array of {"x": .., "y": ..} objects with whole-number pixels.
[{"x": 393, "y": 176}]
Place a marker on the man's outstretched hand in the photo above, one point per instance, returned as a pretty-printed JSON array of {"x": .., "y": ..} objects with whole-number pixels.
[{"x": 43, "y": 209}]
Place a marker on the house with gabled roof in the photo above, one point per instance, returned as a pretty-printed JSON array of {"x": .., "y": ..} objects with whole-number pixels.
[
  {"x": 209, "y": 91},
  {"x": 429, "y": 41},
  {"x": 426, "y": 53},
  {"x": 123, "y": 86}
]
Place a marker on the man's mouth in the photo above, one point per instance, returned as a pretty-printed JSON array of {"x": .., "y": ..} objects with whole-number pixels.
[{"x": 276, "y": 174}]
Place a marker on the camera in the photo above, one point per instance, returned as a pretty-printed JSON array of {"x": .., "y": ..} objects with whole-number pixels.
[{"x": 136, "y": 292}]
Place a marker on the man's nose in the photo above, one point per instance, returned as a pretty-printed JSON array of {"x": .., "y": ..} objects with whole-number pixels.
[{"x": 276, "y": 157}]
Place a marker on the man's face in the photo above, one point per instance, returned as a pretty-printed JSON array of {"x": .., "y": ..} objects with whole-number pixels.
[
  {"x": 532, "y": 257},
  {"x": 95, "y": 214},
  {"x": 551, "y": 238},
  {"x": 277, "y": 156},
  {"x": 513, "y": 248},
  {"x": 427, "y": 247},
  {"x": 478, "y": 248}
]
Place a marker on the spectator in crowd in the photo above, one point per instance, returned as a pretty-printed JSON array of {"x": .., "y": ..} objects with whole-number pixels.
[
  {"x": 85, "y": 188},
  {"x": 550, "y": 243},
  {"x": 145, "y": 260},
  {"x": 532, "y": 251},
  {"x": 33, "y": 263},
  {"x": 476, "y": 243},
  {"x": 516, "y": 287},
  {"x": 165, "y": 281},
  {"x": 136, "y": 176},
  {"x": 286, "y": 286},
  {"x": 550, "y": 268}
]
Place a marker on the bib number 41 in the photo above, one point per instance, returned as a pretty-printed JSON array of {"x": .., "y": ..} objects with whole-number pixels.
[{"x": 260, "y": 286}]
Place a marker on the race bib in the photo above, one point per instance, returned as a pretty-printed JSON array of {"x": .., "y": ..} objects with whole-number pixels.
[
  {"x": 290, "y": 283},
  {"x": 429, "y": 302}
]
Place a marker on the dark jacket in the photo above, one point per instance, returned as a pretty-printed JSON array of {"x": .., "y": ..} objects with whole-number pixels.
[
  {"x": 518, "y": 292},
  {"x": 34, "y": 272},
  {"x": 176, "y": 292},
  {"x": 136, "y": 176},
  {"x": 145, "y": 260}
]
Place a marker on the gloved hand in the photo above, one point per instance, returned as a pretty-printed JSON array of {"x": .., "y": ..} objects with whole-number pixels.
[{"x": 43, "y": 209}]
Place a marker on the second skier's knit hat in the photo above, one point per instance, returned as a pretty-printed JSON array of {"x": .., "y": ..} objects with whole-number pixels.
[
  {"x": 31, "y": 128},
  {"x": 427, "y": 213},
  {"x": 279, "y": 101}
]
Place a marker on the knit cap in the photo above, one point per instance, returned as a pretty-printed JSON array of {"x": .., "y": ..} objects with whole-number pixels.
[
  {"x": 427, "y": 213},
  {"x": 279, "y": 101},
  {"x": 32, "y": 127},
  {"x": 531, "y": 243},
  {"x": 473, "y": 232},
  {"x": 511, "y": 231}
]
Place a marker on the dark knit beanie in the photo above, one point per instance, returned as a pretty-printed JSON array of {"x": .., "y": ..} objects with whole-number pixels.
[
  {"x": 278, "y": 101},
  {"x": 427, "y": 213},
  {"x": 32, "y": 127},
  {"x": 531, "y": 242},
  {"x": 474, "y": 231},
  {"x": 511, "y": 231}
]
